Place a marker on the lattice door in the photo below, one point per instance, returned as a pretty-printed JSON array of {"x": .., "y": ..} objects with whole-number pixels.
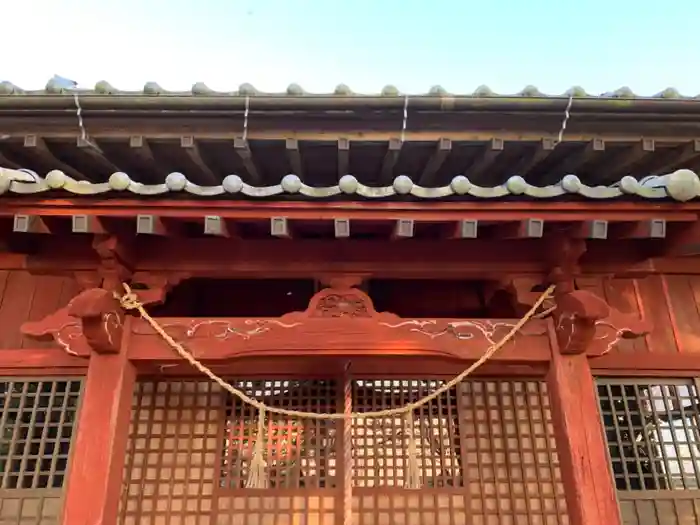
[
  {"x": 485, "y": 450},
  {"x": 653, "y": 434},
  {"x": 36, "y": 432}
]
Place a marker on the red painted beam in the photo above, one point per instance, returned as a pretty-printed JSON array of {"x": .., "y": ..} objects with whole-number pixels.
[
  {"x": 420, "y": 211},
  {"x": 40, "y": 361}
]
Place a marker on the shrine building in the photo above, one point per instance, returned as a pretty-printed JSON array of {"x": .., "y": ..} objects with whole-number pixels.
[{"x": 254, "y": 308}]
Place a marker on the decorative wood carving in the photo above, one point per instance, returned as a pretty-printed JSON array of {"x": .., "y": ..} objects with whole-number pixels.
[
  {"x": 93, "y": 320},
  {"x": 584, "y": 322},
  {"x": 340, "y": 320},
  {"x": 158, "y": 285}
]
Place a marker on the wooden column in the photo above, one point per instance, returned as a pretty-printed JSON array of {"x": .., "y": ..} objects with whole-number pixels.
[
  {"x": 97, "y": 463},
  {"x": 581, "y": 446}
]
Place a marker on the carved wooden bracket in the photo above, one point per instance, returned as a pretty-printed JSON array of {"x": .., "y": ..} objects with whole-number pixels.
[
  {"x": 340, "y": 320},
  {"x": 585, "y": 323},
  {"x": 158, "y": 285},
  {"x": 101, "y": 318},
  {"x": 93, "y": 320}
]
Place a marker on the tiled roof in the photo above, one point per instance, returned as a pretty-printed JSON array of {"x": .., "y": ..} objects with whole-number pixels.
[
  {"x": 58, "y": 86},
  {"x": 681, "y": 185}
]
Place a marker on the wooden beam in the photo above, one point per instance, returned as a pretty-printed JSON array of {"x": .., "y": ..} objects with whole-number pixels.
[
  {"x": 410, "y": 258},
  {"x": 626, "y": 159},
  {"x": 343, "y": 157},
  {"x": 242, "y": 149},
  {"x": 646, "y": 364},
  {"x": 5, "y": 162},
  {"x": 595, "y": 229},
  {"x": 466, "y": 229},
  {"x": 40, "y": 361},
  {"x": 486, "y": 157},
  {"x": 683, "y": 240},
  {"x": 206, "y": 176},
  {"x": 279, "y": 227},
  {"x": 404, "y": 229},
  {"x": 216, "y": 226},
  {"x": 526, "y": 229},
  {"x": 42, "y": 151},
  {"x": 341, "y": 228},
  {"x": 87, "y": 224},
  {"x": 581, "y": 447},
  {"x": 99, "y": 451},
  {"x": 535, "y": 156},
  {"x": 651, "y": 229},
  {"x": 92, "y": 150},
  {"x": 391, "y": 157},
  {"x": 407, "y": 258},
  {"x": 436, "y": 160},
  {"x": 442, "y": 211},
  {"x": 572, "y": 163},
  {"x": 294, "y": 157},
  {"x": 679, "y": 157},
  {"x": 142, "y": 151},
  {"x": 150, "y": 225},
  {"x": 30, "y": 224}
]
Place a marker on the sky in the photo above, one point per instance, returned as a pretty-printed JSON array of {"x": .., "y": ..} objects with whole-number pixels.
[{"x": 365, "y": 44}]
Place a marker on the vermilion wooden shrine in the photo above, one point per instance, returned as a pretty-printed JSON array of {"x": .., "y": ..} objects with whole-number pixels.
[{"x": 342, "y": 253}]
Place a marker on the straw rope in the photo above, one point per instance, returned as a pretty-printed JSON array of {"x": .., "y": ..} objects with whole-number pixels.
[{"x": 130, "y": 301}]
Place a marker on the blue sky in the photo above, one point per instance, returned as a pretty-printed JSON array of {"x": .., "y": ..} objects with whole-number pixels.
[{"x": 412, "y": 44}]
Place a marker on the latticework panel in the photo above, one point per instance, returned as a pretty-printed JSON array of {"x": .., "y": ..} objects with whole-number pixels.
[
  {"x": 511, "y": 462},
  {"x": 300, "y": 455},
  {"x": 653, "y": 434},
  {"x": 485, "y": 450},
  {"x": 36, "y": 431},
  {"x": 380, "y": 445},
  {"x": 171, "y": 459},
  {"x": 485, "y": 453}
]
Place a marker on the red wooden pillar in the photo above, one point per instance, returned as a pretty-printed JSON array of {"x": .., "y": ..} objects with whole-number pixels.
[
  {"x": 581, "y": 446},
  {"x": 97, "y": 462}
]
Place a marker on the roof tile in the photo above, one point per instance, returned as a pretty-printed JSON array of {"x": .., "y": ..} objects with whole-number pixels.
[
  {"x": 681, "y": 185},
  {"x": 103, "y": 87}
]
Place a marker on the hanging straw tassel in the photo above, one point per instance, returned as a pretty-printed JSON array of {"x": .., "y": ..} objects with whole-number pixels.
[
  {"x": 257, "y": 475},
  {"x": 413, "y": 477}
]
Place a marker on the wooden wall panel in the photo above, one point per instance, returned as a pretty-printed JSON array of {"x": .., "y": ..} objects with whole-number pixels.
[
  {"x": 654, "y": 307},
  {"x": 669, "y": 303},
  {"x": 25, "y": 297},
  {"x": 624, "y": 295},
  {"x": 683, "y": 293}
]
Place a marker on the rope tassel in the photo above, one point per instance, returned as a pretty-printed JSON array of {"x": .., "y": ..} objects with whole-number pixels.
[
  {"x": 257, "y": 475},
  {"x": 413, "y": 477}
]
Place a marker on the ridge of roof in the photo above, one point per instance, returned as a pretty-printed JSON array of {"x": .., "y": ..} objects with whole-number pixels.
[
  {"x": 55, "y": 87},
  {"x": 682, "y": 185}
]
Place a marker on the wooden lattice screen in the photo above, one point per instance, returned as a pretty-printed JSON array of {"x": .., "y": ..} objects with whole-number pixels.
[
  {"x": 653, "y": 434},
  {"x": 36, "y": 430},
  {"x": 485, "y": 449}
]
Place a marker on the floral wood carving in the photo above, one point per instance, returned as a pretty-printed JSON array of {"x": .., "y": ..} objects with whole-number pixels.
[
  {"x": 586, "y": 323},
  {"x": 347, "y": 304},
  {"x": 340, "y": 320}
]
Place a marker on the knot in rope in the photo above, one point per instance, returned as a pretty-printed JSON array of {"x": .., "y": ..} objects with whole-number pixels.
[{"x": 129, "y": 301}]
